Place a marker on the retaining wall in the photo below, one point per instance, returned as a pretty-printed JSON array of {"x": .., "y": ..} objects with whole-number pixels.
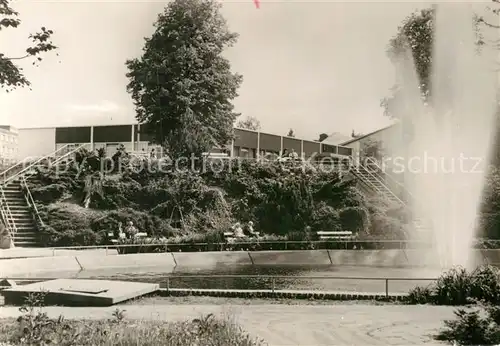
[
  {"x": 210, "y": 259},
  {"x": 66, "y": 266},
  {"x": 163, "y": 260},
  {"x": 299, "y": 257},
  {"x": 69, "y": 266}
]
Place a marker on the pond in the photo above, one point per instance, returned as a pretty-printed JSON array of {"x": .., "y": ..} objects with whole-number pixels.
[{"x": 296, "y": 277}]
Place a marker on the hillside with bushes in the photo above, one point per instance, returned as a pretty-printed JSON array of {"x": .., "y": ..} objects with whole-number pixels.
[{"x": 80, "y": 205}]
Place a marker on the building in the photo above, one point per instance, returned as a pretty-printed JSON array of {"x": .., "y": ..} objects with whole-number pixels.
[
  {"x": 37, "y": 142},
  {"x": 384, "y": 137},
  {"x": 8, "y": 145}
]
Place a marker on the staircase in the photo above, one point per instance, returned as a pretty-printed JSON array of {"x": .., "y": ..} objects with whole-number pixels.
[
  {"x": 375, "y": 182},
  {"x": 21, "y": 215},
  {"x": 18, "y": 209}
]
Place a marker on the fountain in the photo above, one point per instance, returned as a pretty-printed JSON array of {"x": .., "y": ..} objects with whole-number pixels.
[{"x": 446, "y": 156}]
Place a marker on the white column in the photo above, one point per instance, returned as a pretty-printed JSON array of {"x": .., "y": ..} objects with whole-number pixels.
[
  {"x": 281, "y": 145},
  {"x": 301, "y": 148},
  {"x": 132, "y": 141},
  {"x": 232, "y": 148},
  {"x": 91, "y": 138}
]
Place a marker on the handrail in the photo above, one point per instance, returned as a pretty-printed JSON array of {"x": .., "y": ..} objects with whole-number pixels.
[
  {"x": 382, "y": 183},
  {"x": 31, "y": 202},
  {"x": 58, "y": 159},
  {"x": 23, "y": 162},
  {"x": 9, "y": 220},
  {"x": 392, "y": 178}
]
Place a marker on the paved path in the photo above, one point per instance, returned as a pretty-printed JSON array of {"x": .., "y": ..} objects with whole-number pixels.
[{"x": 296, "y": 325}]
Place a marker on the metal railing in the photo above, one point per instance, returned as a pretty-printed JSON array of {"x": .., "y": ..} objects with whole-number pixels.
[
  {"x": 58, "y": 155},
  {"x": 24, "y": 164},
  {"x": 272, "y": 280},
  {"x": 31, "y": 202},
  {"x": 386, "y": 188},
  {"x": 12, "y": 173},
  {"x": 10, "y": 223},
  {"x": 267, "y": 245}
]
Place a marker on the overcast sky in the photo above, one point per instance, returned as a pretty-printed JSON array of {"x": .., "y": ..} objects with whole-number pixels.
[{"x": 311, "y": 66}]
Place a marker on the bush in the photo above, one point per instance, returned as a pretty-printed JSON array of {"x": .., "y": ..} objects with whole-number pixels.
[
  {"x": 154, "y": 226},
  {"x": 34, "y": 327},
  {"x": 280, "y": 201},
  {"x": 459, "y": 287},
  {"x": 473, "y": 327}
]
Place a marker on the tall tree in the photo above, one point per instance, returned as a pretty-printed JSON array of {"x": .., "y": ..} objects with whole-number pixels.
[
  {"x": 249, "y": 123},
  {"x": 11, "y": 75},
  {"x": 182, "y": 86},
  {"x": 416, "y": 35}
]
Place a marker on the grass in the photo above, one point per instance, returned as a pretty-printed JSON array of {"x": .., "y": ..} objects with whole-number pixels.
[{"x": 34, "y": 327}]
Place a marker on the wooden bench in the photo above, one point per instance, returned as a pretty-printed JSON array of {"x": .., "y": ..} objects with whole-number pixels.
[
  {"x": 335, "y": 235},
  {"x": 139, "y": 235}
]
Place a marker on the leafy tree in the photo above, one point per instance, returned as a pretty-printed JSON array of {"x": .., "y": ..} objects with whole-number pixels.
[
  {"x": 182, "y": 86},
  {"x": 416, "y": 35},
  {"x": 11, "y": 75},
  {"x": 290, "y": 133},
  {"x": 249, "y": 123}
]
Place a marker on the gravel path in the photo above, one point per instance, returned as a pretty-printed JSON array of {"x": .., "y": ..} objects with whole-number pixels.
[{"x": 349, "y": 324}]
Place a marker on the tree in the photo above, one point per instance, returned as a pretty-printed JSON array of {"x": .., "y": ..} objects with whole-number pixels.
[
  {"x": 322, "y": 137},
  {"x": 416, "y": 35},
  {"x": 290, "y": 133},
  {"x": 11, "y": 75},
  {"x": 249, "y": 123},
  {"x": 182, "y": 86}
]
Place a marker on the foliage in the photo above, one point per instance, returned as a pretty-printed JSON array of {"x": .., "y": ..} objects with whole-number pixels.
[
  {"x": 11, "y": 75},
  {"x": 415, "y": 37},
  {"x": 249, "y": 123},
  {"x": 489, "y": 218},
  {"x": 459, "y": 287},
  {"x": 34, "y": 327},
  {"x": 290, "y": 133},
  {"x": 199, "y": 206},
  {"x": 473, "y": 327},
  {"x": 182, "y": 86}
]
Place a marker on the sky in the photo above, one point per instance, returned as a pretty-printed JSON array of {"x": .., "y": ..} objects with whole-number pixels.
[{"x": 311, "y": 66}]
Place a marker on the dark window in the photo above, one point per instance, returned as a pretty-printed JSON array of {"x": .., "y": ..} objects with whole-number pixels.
[
  {"x": 329, "y": 148},
  {"x": 119, "y": 133},
  {"x": 73, "y": 134}
]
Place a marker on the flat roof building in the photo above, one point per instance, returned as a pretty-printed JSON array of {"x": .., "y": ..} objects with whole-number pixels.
[{"x": 37, "y": 142}]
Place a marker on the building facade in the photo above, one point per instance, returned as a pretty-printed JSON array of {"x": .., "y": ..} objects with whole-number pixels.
[
  {"x": 9, "y": 142},
  {"x": 37, "y": 142}
]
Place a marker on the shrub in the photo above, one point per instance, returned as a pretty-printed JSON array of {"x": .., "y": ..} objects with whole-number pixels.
[
  {"x": 472, "y": 327},
  {"x": 459, "y": 287},
  {"x": 34, "y": 327},
  {"x": 453, "y": 287},
  {"x": 420, "y": 295},
  {"x": 154, "y": 226}
]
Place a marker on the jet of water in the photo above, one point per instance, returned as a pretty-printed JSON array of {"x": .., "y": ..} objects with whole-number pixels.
[{"x": 446, "y": 158}]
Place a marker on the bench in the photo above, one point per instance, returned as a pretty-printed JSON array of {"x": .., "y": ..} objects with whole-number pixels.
[
  {"x": 335, "y": 235},
  {"x": 139, "y": 235}
]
